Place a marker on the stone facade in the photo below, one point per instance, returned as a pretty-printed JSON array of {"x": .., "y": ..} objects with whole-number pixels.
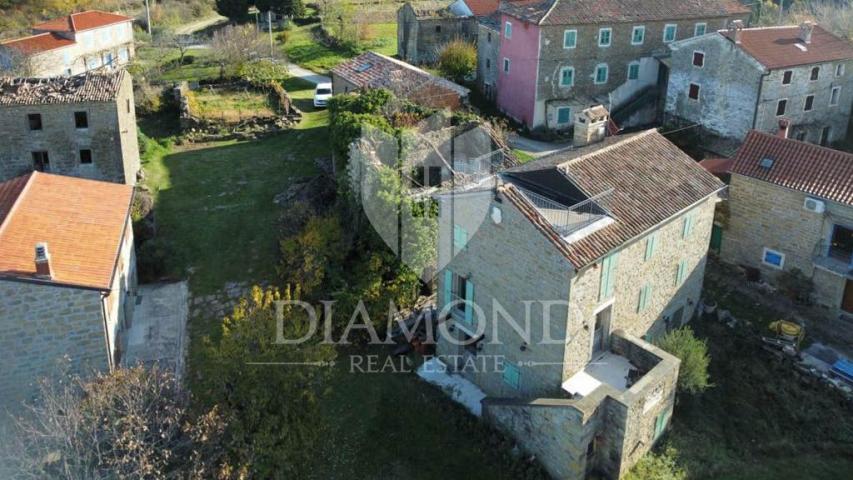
[
  {"x": 766, "y": 216},
  {"x": 488, "y": 46},
  {"x": 40, "y": 323},
  {"x": 737, "y": 93},
  {"x": 421, "y": 35},
  {"x": 616, "y": 91},
  {"x": 109, "y": 46},
  {"x": 606, "y": 432},
  {"x": 110, "y": 138}
]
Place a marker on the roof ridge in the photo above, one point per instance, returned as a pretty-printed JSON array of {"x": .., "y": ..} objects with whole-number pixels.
[
  {"x": 847, "y": 155},
  {"x": 71, "y": 21},
  {"x": 608, "y": 147},
  {"x": 17, "y": 201}
]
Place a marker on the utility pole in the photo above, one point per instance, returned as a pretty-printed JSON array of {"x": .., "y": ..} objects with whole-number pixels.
[
  {"x": 148, "y": 17},
  {"x": 269, "y": 28}
]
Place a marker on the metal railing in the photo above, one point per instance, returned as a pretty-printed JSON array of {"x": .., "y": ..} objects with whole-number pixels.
[{"x": 569, "y": 219}]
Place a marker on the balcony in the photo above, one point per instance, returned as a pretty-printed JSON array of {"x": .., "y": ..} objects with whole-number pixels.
[{"x": 570, "y": 220}]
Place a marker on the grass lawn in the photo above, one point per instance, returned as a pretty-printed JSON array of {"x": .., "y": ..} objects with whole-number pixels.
[
  {"x": 302, "y": 49},
  {"x": 758, "y": 421},
  {"x": 231, "y": 105}
]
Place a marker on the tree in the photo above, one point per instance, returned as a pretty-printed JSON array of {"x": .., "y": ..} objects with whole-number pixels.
[
  {"x": 658, "y": 466},
  {"x": 132, "y": 423},
  {"x": 235, "y": 45},
  {"x": 268, "y": 390},
  {"x": 290, "y": 8},
  {"x": 457, "y": 60},
  {"x": 693, "y": 353},
  {"x": 235, "y": 10},
  {"x": 308, "y": 255}
]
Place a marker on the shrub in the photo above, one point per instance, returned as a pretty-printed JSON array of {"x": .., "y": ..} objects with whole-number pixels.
[
  {"x": 156, "y": 260},
  {"x": 457, "y": 60},
  {"x": 149, "y": 99},
  {"x": 693, "y": 353},
  {"x": 308, "y": 255},
  {"x": 261, "y": 71},
  {"x": 658, "y": 466}
]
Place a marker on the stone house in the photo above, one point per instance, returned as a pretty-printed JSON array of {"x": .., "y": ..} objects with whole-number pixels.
[
  {"x": 744, "y": 79},
  {"x": 373, "y": 70},
  {"x": 423, "y": 28},
  {"x": 71, "y": 45},
  {"x": 791, "y": 207},
  {"x": 558, "y": 57},
  {"x": 588, "y": 259},
  {"x": 83, "y": 126},
  {"x": 67, "y": 276}
]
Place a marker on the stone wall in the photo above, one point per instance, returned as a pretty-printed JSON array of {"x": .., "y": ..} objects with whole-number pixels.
[
  {"x": 111, "y": 136},
  {"x": 420, "y": 39},
  {"x": 488, "y": 47},
  {"x": 633, "y": 272},
  {"x": 39, "y": 324},
  {"x": 763, "y": 215}
]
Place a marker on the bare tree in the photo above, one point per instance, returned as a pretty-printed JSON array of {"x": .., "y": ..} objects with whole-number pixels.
[{"x": 235, "y": 45}]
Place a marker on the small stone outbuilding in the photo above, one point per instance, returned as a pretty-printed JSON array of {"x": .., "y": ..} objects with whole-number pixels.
[{"x": 423, "y": 28}]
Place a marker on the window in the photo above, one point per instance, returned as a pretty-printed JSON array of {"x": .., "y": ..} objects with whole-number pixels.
[
  {"x": 608, "y": 277},
  {"x": 651, "y": 245},
  {"x": 660, "y": 424},
  {"x": 680, "y": 272},
  {"x": 460, "y": 238},
  {"x": 824, "y": 135},
  {"x": 809, "y": 103},
  {"x": 645, "y": 296},
  {"x": 839, "y": 70},
  {"x": 833, "y": 96},
  {"x": 508, "y": 30},
  {"x": 41, "y": 162},
  {"x": 433, "y": 176},
  {"x": 700, "y": 29},
  {"x": 567, "y": 77},
  {"x": 604, "y": 35},
  {"x": 815, "y": 74},
  {"x": 511, "y": 374},
  {"x": 698, "y": 59},
  {"x": 687, "y": 226},
  {"x": 841, "y": 244},
  {"x": 489, "y": 37},
  {"x": 570, "y": 39},
  {"x": 85, "y": 156},
  {"x": 459, "y": 291},
  {"x": 780, "y": 107},
  {"x": 693, "y": 92},
  {"x": 633, "y": 71},
  {"x": 438, "y": 29},
  {"x": 127, "y": 105},
  {"x": 488, "y": 64},
  {"x": 34, "y": 119},
  {"x": 801, "y": 136},
  {"x": 786, "y": 77},
  {"x": 601, "y": 74},
  {"x": 506, "y": 65},
  {"x": 81, "y": 120},
  {"x": 564, "y": 115},
  {"x": 669, "y": 32},
  {"x": 638, "y": 35},
  {"x": 773, "y": 258}
]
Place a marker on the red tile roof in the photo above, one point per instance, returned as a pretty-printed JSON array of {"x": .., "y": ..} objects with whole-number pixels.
[
  {"x": 812, "y": 169},
  {"x": 80, "y": 21},
  {"x": 575, "y": 12},
  {"x": 82, "y": 221},
  {"x": 483, "y": 8},
  {"x": 778, "y": 47},
  {"x": 652, "y": 181},
  {"x": 42, "y": 42},
  {"x": 717, "y": 166}
]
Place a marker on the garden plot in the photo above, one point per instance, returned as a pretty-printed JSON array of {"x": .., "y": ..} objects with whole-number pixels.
[{"x": 231, "y": 105}]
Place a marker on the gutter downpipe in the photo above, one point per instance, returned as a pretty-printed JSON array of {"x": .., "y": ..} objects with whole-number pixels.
[{"x": 758, "y": 98}]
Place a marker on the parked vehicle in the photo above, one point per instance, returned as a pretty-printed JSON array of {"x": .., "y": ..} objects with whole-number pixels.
[{"x": 322, "y": 94}]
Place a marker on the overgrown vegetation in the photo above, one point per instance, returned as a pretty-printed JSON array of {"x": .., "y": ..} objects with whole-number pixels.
[
  {"x": 457, "y": 60},
  {"x": 693, "y": 353}
]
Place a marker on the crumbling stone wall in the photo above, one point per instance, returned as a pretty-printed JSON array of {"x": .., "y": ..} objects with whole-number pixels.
[{"x": 420, "y": 39}]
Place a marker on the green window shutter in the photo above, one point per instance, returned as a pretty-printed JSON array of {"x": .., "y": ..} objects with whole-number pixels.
[
  {"x": 469, "y": 299},
  {"x": 645, "y": 296},
  {"x": 608, "y": 277},
  {"x": 681, "y": 272},
  {"x": 688, "y": 226},
  {"x": 460, "y": 238},
  {"x": 448, "y": 286},
  {"x": 651, "y": 243},
  {"x": 511, "y": 375},
  {"x": 660, "y": 423}
]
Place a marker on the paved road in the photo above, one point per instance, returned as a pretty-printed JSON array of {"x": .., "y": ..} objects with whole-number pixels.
[
  {"x": 306, "y": 74},
  {"x": 537, "y": 148},
  {"x": 193, "y": 27}
]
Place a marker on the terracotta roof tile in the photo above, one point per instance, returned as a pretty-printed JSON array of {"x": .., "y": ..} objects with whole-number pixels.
[
  {"x": 652, "y": 180},
  {"x": 574, "y": 12},
  {"x": 82, "y": 221},
  {"x": 483, "y": 8},
  {"x": 89, "y": 87},
  {"x": 812, "y": 169},
  {"x": 777, "y": 47},
  {"x": 373, "y": 70},
  {"x": 80, "y": 21},
  {"x": 41, "y": 42}
]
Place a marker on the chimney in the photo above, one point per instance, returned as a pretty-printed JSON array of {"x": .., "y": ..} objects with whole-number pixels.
[
  {"x": 43, "y": 269},
  {"x": 784, "y": 128},
  {"x": 806, "y": 29},
  {"x": 591, "y": 126},
  {"x": 736, "y": 28}
]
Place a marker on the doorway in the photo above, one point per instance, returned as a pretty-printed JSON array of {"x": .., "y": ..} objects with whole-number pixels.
[
  {"x": 847, "y": 300},
  {"x": 601, "y": 333}
]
